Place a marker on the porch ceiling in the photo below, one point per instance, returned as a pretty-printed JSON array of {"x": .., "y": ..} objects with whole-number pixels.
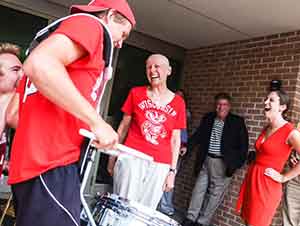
[{"x": 195, "y": 23}]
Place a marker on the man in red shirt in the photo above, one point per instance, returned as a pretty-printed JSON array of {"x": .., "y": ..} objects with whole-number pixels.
[{"x": 65, "y": 71}]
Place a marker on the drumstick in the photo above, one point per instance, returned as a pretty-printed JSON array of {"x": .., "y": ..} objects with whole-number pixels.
[{"x": 122, "y": 148}]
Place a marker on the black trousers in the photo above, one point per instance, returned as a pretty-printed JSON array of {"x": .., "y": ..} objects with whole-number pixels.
[{"x": 51, "y": 199}]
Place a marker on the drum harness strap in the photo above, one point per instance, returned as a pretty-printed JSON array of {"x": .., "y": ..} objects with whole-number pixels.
[{"x": 105, "y": 76}]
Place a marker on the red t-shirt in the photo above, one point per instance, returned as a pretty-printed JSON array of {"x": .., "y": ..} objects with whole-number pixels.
[
  {"x": 47, "y": 136},
  {"x": 151, "y": 126}
]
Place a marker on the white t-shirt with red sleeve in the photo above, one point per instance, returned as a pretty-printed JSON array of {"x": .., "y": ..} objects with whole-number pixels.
[
  {"x": 151, "y": 126},
  {"x": 47, "y": 136}
]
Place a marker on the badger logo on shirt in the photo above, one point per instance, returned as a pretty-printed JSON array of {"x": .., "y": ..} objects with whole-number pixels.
[{"x": 153, "y": 127}]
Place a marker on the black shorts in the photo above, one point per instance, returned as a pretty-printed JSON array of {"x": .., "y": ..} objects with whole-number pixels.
[{"x": 51, "y": 199}]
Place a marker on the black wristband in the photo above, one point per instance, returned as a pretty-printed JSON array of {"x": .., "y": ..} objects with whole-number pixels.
[{"x": 172, "y": 170}]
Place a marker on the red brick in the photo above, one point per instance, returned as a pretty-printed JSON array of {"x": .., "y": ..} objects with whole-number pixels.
[{"x": 244, "y": 69}]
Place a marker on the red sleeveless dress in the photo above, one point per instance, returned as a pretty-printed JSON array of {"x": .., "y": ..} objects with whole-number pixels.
[{"x": 260, "y": 195}]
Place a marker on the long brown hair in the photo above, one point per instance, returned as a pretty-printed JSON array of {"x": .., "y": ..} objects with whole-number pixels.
[{"x": 284, "y": 99}]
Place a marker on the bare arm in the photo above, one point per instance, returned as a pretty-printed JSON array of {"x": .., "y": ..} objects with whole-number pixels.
[
  {"x": 2, "y": 125},
  {"x": 45, "y": 67},
  {"x": 12, "y": 111},
  {"x": 294, "y": 141},
  {"x": 175, "y": 147},
  {"x": 122, "y": 131},
  {"x": 123, "y": 127},
  {"x": 4, "y": 100}
]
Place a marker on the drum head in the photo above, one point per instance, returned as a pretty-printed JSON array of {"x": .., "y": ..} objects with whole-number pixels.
[
  {"x": 113, "y": 210},
  {"x": 153, "y": 217}
]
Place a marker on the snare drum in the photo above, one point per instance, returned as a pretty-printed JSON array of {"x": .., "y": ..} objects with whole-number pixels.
[{"x": 112, "y": 210}]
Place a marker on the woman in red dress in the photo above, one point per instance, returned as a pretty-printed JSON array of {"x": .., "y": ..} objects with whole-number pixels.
[{"x": 262, "y": 187}]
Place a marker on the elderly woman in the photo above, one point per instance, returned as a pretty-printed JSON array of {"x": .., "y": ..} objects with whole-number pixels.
[
  {"x": 153, "y": 118},
  {"x": 262, "y": 187}
]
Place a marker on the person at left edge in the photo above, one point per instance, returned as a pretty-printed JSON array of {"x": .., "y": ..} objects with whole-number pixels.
[
  {"x": 10, "y": 74},
  {"x": 64, "y": 72}
]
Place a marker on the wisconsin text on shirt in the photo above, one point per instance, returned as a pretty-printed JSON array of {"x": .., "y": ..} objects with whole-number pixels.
[{"x": 147, "y": 104}]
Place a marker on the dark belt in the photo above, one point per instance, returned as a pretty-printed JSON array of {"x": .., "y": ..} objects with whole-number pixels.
[{"x": 212, "y": 155}]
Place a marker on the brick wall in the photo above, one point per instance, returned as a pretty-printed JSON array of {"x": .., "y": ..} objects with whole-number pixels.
[{"x": 244, "y": 69}]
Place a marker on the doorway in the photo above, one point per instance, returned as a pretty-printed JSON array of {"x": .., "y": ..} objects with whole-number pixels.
[{"x": 19, "y": 27}]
